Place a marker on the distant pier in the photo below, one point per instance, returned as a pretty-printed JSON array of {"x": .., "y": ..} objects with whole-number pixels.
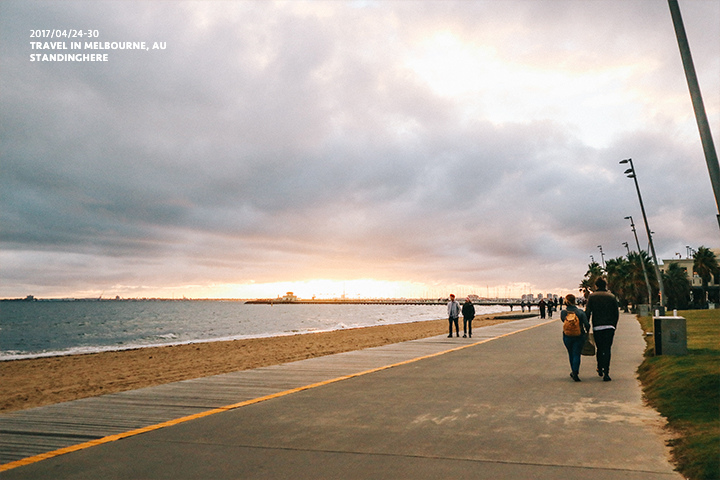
[{"x": 381, "y": 301}]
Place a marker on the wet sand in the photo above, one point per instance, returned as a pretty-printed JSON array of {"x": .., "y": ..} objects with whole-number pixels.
[{"x": 43, "y": 381}]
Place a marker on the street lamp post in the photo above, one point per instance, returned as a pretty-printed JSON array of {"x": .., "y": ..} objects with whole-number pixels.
[
  {"x": 627, "y": 247},
  {"x": 602, "y": 255},
  {"x": 642, "y": 262},
  {"x": 696, "y": 97},
  {"x": 630, "y": 172}
]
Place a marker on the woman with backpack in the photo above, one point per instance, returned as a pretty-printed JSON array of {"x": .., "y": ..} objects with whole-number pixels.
[{"x": 575, "y": 330}]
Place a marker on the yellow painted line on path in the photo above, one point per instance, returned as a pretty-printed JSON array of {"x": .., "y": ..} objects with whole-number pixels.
[{"x": 169, "y": 423}]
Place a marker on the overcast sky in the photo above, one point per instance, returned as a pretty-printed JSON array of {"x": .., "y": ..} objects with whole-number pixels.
[{"x": 468, "y": 145}]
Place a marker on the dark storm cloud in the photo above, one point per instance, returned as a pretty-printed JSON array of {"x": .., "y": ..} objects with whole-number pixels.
[{"x": 275, "y": 141}]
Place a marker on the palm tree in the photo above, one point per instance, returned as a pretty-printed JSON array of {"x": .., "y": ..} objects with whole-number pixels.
[
  {"x": 677, "y": 286},
  {"x": 618, "y": 278},
  {"x": 636, "y": 278},
  {"x": 706, "y": 266},
  {"x": 585, "y": 287},
  {"x": 594, "y": 272}
]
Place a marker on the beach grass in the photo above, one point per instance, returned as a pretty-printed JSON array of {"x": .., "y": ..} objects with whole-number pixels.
[{"x": 686, "y": 391}]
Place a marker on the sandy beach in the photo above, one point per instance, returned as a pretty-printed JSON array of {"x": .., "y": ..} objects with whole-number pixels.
[{"x": 43, "y": 381}]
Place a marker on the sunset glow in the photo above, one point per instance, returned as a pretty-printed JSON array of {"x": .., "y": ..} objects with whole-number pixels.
[{"x": 364, "y": 149}]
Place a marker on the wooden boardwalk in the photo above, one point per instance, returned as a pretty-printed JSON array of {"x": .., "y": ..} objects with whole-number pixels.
[{"x": 36, "y": 431}]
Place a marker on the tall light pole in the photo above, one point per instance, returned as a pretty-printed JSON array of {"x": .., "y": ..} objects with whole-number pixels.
[
  {"x": 630, "y": 172},
  {"x": 627, "y": 247},
  {"x": 700, "y": 116},
  {"x": 602, "y": 255},
  {"x": 642, "y": 262}
]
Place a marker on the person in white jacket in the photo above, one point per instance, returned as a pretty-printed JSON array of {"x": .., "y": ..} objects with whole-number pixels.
[{"x": 453, "y": 315}]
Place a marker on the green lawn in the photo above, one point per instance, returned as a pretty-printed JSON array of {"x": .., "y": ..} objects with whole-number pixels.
[{"x": 686, "y": 390}]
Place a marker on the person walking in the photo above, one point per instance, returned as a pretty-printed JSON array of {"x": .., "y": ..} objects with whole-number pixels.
[
  {"x": 603, "y": 311},
  {"x": 541, "y": 306},
  {"x": 453, "y": 315},
  {"x": 468, "y": 312},
  {"x": 575, "y": 329}
]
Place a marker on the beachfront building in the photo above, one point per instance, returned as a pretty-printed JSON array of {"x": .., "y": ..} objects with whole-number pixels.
[
  {"x": 289, "y": 297},
  {"x": 696, "y": 291}
]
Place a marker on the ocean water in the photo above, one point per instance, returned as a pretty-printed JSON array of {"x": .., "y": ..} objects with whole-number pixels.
[{"x": 39, "y": 329}]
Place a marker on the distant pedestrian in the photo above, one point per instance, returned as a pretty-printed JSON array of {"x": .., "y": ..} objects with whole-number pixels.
[
  {"x": 468, "y": 312},
  {"x": 575, "y": 330},
  {"x": 522, "y": 305},
  {"x": 603, "y": 311},
  {"x": 453, "y": 315},
  {"x": 541, "y": 306},
  {"x": 550, "y": 308}
]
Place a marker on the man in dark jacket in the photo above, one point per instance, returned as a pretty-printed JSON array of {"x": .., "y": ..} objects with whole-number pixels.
[
  {"x": 468, "y": 312},
  {"x": 603, "y": 311}
]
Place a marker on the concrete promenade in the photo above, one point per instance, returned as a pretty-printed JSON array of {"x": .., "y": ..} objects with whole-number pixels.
[{"x": 504, "y": 407}]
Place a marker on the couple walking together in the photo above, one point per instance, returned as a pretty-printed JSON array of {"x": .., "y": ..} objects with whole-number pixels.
[
  {"x": 602, "y": 309},
  {"x": 468, "y": 312}
]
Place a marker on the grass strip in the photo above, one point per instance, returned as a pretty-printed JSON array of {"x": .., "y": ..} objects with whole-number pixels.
[{"x": 686, "y": 391}]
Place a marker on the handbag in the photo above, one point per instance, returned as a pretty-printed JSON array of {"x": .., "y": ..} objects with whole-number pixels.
[{"x": 589, "y": 347}]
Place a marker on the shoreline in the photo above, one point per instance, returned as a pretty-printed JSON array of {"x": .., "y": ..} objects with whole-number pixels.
[{"x": 28, "y": 383}]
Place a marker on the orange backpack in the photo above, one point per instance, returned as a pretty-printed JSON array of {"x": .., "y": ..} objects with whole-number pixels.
[{"x": 571, "y": 326}]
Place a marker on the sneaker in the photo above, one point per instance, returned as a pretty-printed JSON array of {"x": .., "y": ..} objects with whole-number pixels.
[
  {"x": 607, "y": 378},
  {"x": 600, "y": 372},
  {"x": 464, "y": 336},
  {"x": 450, "y": 336},
  {"x": 575, "y": 377}
]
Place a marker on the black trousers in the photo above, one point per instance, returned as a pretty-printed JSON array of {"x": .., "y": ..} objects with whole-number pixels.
[
  {"x": 467, "y": 325},
  {"x": 603, "y": 343},
  {"x": 454, "y": 320}
]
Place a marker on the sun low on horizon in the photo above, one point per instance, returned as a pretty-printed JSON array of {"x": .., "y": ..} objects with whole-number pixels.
[{"x": 321, "y": 289}]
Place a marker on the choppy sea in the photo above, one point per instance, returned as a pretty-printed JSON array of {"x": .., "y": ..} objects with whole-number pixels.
[{"x": 45, "y": 328}]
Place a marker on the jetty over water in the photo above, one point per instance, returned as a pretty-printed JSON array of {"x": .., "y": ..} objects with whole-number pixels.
[{"x": 383, "y": 301}]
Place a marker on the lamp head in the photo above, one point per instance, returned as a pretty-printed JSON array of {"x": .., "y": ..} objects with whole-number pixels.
[
  {"x": 629, "y": 170},
  {"x": 625, "y": 161}
]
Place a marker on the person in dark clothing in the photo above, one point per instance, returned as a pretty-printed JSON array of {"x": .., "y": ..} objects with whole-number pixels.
[
  {"x": 603, "y": 311},
  {"x": 574, "y": 344},
  {"x": 541, "y": 306},
  {"x": 468, "y": 312}
]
